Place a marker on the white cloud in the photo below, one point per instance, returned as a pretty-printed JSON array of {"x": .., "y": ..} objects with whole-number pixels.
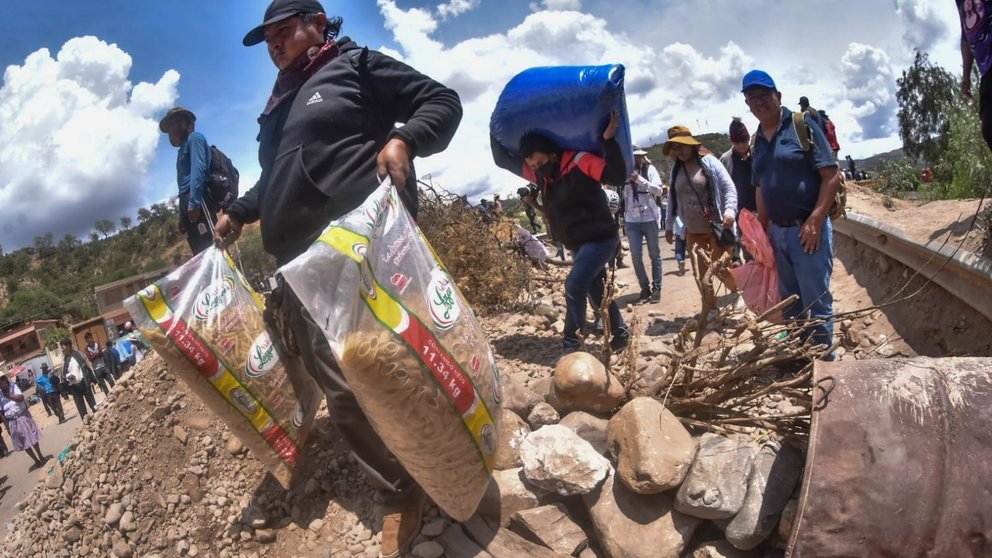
[
  {"x": 870, "y": 83},
  {"x": 706, "y": 80},
  {"x": 923, "y": 26},
  {"x": 556, "y": 5},
  {"x": 77, "y": 135},
  {"x": 456, "y": 8}
]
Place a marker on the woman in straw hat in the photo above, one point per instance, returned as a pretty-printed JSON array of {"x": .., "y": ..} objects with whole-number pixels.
[{"x": 702, "y": 196}]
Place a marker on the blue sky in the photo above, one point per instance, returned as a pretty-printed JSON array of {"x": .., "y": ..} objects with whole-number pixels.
[{"x": 79, "y": 130}]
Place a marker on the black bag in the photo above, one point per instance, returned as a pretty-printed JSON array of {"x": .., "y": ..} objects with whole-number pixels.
[
  {"x": 222, "y": 186},
  {"x": 724, "y": 237}
]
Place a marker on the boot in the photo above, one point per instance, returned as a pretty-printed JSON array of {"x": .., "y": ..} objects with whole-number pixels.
[{"x": 401, "y": 527}]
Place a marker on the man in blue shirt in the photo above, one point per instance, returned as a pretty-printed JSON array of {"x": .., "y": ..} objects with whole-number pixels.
[
  {"x": 795, "y": 189},
  {"x": 49, "y": 391},
  {"x": 192, "y": 173}
]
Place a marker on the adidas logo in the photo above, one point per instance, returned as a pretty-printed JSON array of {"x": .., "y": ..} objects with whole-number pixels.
[{"x": 315, "y": 99}]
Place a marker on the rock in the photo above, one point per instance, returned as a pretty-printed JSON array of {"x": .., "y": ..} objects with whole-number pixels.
[
  {"x": 541, "y": 415},
  {"x": 457, "y": 544},
  {"x": 507, "y": 494},
  {"x": 127, "y": 522},
  {"x": 558, "y": 327},
  {"x": 234, "y": 446},
  {"x": 773, "y": 477},
  {"x": 428, "y": 549},
  {"x": 198, "y": 422},
  {"x": 434, "y": 528},
  {"x": 518, "y": 398},
  {"x": 550, "y": 526},
  {"x": 717, "y": 482},
  {"x": 633, "y": 525},
  {"x": 788, "y": 518},
  {"x": 180, "y": 433},
  {"x": 501, "y": 543},
  {"x": 122, "y": 550},
  {"x": 546, "y": 310},
  {"x": 557, "y": 460},
  {"x": 316, "y": 525},
  {"x": 581, "y": 383},
  {"x": 652, "y": 448},
  {"x": 265, "y": 535},
  {"x": 721, "y": 549},
  {"x": 590, "y": 428},
  {"x": 512, "y": 431},
  {"x": 114, "y": 514},
  {"x": 648, "y": 379},
  {"x": 72, "y": 535}
]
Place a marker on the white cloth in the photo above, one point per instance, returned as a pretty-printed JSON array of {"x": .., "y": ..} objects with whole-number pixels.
[
  {"x": 75, "y": 374},
  {"x": 643, "y": 207},
  {"x": 10, "y": 407}
]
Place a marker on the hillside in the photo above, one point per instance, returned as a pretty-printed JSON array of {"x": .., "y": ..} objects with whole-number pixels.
[{"x": 55, "y": 279}]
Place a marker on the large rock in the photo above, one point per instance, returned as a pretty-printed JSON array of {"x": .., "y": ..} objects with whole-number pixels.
[
  {"x": 633, "y": 525},
  {"x": 518, "y": 398},
  {"x": 507, "y": 494},
  {"x": 501, "y": 543},
  {"x": 581, "y": 383},
  {"x": 557, "y": 460},
  {"x": 590, "y": 428},
  {"x": 773, "y": 478},
  {"x": 717, "y": 482},
  {"x": 551, "y": 526},
  {"x": 653, "y": 450},
  {"x": 512, "y": 431},
  {"x": 458, "y": 545}
]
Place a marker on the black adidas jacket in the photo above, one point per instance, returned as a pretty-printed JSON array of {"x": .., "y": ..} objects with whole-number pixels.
[
  {"x": 575, "y": 204},
  {"x": 318, "y": 149}
]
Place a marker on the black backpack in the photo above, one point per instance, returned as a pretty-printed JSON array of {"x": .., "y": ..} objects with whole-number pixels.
[{"x": 222, "y": 187}]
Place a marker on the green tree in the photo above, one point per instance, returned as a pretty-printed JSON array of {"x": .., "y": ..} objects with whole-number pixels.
[
  {"x": 144, "y": 215},
  {"x": 927, "y": 93},
  {"x": 967, "y": 161},
  {"x": 54, "y": 335},
  {"x": 68, "y": 242},
  {"x": 94, "y": 237},
  {"x": 125, "y": 223},
  {"x": 105, "y": 227}
]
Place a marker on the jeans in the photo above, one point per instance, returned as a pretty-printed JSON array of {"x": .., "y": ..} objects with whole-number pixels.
[
  {"x": 82, "y": 394},
  {"x": 679, "y": 249},
  {"x": 588, "y": 278},
  {"x": 636, "y": 231},
  {"x": 806, "y": 275}
]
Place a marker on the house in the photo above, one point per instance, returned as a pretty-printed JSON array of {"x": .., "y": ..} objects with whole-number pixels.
[
  {"x": 111, "y": 296},
  {"x": 25, "y": 346}
]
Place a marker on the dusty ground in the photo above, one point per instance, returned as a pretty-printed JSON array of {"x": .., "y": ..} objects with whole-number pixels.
[{"x": 156, "y": 445}]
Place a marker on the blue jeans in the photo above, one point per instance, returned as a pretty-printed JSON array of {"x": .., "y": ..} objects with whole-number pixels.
[
  {"x": 588, "y": 279},
  {"x": 636, "y": 232},
  {"x": 679, "y": 248},
  {"x": 806, "y": 275}
]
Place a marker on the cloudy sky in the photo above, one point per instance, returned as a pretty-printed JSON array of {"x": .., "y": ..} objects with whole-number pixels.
[{"x": 85, "y": 82}]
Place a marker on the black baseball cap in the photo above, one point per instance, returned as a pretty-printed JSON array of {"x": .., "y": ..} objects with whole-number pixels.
[
  {"x": 279, "y": 10},
  {"x": 803, "y": 101}
]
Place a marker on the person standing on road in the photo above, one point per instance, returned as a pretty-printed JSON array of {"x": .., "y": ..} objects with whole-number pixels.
[
  {"x": 95, "y": 355},
  {"x": 641, "y": 223},
  {"x": 737, "y": 161},
  {"x": 795, "y": 191},
  {"x": 46, "y": 383},
  {"x": 192, "y": 175},
  {"x": 578, "y": 215},
  {"x": 76, "y": 372},
  {"x": 976, "y": 47},
  {"x": 24, "y": 432},
  {"x": 112, "y": 359},
  {"x": 327, "y": 138}
]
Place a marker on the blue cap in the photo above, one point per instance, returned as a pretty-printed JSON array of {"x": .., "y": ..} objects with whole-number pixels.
[{"x": 757, "y": 78}]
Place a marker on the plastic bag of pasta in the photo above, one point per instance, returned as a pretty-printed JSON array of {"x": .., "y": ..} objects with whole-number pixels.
[
  {"x": 206, "y": 322},
  {"x": 409, "y": 346}
]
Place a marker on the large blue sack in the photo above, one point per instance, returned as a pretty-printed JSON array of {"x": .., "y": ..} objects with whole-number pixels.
[{"x": 569, "y": 104}]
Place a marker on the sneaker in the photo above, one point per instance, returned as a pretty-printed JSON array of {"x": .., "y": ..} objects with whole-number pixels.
[
  {"x": 645, "y": 296},
  {"x": 681, "y": 267},
  {"x": 620, "y": 341},
  {"x": 400, "y": 528},
  {"x": 656, "y": 295}
]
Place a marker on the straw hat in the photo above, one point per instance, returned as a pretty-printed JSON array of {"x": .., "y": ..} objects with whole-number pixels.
[{"x": 680, "y": 135}]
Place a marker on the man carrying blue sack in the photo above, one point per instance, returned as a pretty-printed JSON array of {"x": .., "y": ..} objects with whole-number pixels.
[
  {"x": 578, "y": 215},
  {"x": 796, "y": 178},
  {"x": 327, "y": 138}
]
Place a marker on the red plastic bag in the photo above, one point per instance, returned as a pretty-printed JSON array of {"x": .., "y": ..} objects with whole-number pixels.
[{"x": 757, "y": 280}]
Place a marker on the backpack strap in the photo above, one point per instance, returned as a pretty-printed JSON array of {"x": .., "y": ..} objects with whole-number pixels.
[{"x": 803, "y": 132}]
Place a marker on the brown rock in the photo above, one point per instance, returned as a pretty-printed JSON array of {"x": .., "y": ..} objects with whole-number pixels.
[
  {"x": 458, "y": 545},
  {"x": 234, "y": 446},
  {"x": 721, "y": 549},
  {"x": 552, "y": 527},
  {"x": 589, "y": 427},
  {"x": 632, "y": 525},
  {"x": 717, "y": 482},
  {"x": 518, "y": 398},
  {"x": 581, "y": 383},
  {"x": 512, "y": 431},
  {"x": 507, "y": 494},
  {"x": 198, "y": 422},
  {"x": 265, "y": 535},
  {"x": 180, "y": 433},
  {"x": 652, "y": 448},
  {"x": 501, "y": 543}
]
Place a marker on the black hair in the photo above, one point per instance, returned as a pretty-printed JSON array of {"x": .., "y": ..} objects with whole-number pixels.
[
  {"x": 533, "y": 142},
  {"x": 333, "y": 24},
  {"x": 66, "y": 342}
]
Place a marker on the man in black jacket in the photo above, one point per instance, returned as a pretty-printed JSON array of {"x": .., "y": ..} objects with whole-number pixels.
[
  {"x": 76, "y": 378},
  {"x": 578, "y": 213},
  {"x": 327, "y": 138}
]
